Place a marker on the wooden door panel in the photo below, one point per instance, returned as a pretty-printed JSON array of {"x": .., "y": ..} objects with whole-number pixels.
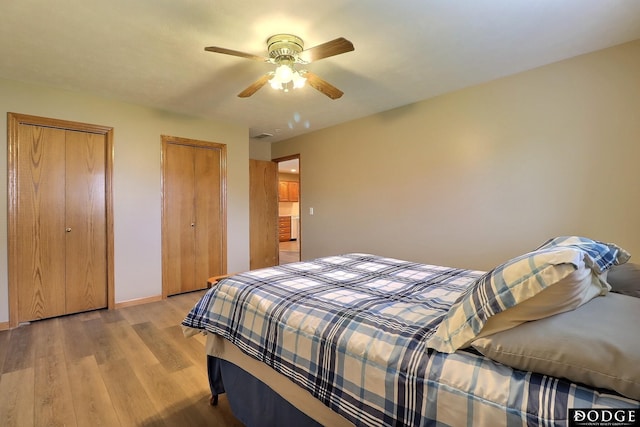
[
  {"x": 294, "y": 191},
  {"x": 263, "y": 213},
  {"x": 199, "y": 202},
  {"x": 283, "y": 191},
  {"x": 208, "y": 214},
  {"x": 41, "y": 282},
  {"x": 40, "y": 232},
  {"x": 86, "y": 231},
  {"x": 178, "y": 211}
]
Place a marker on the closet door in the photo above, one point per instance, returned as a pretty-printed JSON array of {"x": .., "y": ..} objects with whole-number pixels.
[
  {"x": 40, "y": 214},
  {"x": 85, "y": 222},
  {"x": 60, "y": 228},
  {"x": 208, "y": 227},
  {"x": 179, "y": 218},
  {"x": 193, "y": 214}
]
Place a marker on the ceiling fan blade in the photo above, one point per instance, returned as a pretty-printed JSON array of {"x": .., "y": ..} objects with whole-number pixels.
[
  {"x": 322, "y": 85},
  {"x": 325, "y": 50},
  {"x": 216, "y": 49},
  {"x": 255, "y": 86}
]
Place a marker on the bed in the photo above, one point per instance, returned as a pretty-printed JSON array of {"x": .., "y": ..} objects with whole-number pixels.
[{"x": 365, "y": 340}]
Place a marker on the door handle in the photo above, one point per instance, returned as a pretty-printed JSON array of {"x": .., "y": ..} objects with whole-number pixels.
[{"x": 68, "y": 229}]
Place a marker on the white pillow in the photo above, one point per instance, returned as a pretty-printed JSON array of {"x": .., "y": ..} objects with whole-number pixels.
[
  {"x": 513, "y": 284},
  {"x": 569, "y": 293}
]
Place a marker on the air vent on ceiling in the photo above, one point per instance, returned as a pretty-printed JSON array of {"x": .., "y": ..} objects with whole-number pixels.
[{"x": 263, "y": 135}]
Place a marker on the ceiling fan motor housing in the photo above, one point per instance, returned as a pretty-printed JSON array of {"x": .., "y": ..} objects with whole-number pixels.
[{"x": 284, "y": 46}]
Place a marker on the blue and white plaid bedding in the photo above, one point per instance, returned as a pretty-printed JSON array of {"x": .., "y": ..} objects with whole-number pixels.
[{"x": 352, "y": 330}]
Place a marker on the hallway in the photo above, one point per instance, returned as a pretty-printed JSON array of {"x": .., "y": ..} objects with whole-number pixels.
[{"x": 289, "y": 251}]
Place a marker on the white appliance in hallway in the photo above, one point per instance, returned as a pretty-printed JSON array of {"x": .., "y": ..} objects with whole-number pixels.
[{"x": 295, "y": 227}]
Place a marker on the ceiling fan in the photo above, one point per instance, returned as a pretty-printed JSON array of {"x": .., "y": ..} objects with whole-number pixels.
[{"x": 285, "y": 50}]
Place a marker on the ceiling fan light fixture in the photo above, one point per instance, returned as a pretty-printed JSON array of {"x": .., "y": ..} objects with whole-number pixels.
[
  {"x": 285, "y": 74},
  {"x": 275, "y": 84},
  {"x": 298, "y": 80},
  {"x": 285, "y": 50}
]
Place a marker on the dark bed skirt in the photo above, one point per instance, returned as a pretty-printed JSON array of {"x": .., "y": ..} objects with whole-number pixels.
[{"x": 253, "y": 402}]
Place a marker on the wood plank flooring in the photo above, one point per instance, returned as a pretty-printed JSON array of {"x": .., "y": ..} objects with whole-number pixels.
[
  {"x": 126, "y": 367},
  {"x": 289, "y": 251}
]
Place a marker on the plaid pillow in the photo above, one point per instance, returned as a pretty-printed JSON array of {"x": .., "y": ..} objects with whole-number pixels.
[
  {"x": 505, "y": 286},
  {"x": 600, "y": 256}
]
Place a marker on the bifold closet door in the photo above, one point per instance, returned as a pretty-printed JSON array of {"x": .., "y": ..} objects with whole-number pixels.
[
  {"x": 208, "y": 210},
  {"x": 179, "y": 216},
  {"x": 193, "y": 216},
  {"x": 41, "y": 223},
  {"x": 61, "y": 222},
  {"x": 86, "y": 228}
]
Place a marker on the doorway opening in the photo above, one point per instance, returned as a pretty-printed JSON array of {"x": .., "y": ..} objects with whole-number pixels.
[{"x": 289, "y": 230}]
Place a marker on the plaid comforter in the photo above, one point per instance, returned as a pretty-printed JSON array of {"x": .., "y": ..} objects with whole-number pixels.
[{"x": 352, "y": 330}]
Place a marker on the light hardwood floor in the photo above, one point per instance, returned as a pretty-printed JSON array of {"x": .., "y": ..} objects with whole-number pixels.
[
  {"x": 126, "y": 367},
  {"x": 289, "y": 251}
]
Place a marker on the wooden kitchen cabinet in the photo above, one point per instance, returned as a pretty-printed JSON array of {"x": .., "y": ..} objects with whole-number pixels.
[
  {"x": 294, "y": 191},
  {"x": 288, "y": 191},
  {"x": 284, "y": 228}
]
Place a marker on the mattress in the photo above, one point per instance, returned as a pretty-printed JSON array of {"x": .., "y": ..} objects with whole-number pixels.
[
  {"x": 300, "y": 398},
  {"x": 351, "y": 331}
]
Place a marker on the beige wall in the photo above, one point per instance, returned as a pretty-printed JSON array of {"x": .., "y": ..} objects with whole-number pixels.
[
  {"x": 136, "y": 178},
  {"x": 474, "y": 177},
  {"x": 259, "y": 150}
]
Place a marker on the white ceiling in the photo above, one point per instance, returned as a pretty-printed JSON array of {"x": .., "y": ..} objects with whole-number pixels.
[
  {"x": 151, "y": 52},
  {"x": 289, "y": 166}
]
